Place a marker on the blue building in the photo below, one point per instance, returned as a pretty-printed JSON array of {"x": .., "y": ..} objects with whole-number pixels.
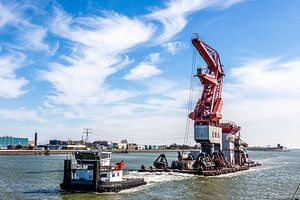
[
  {"x": 156, "y": 147},
  {"x": 12, "y": 141}
]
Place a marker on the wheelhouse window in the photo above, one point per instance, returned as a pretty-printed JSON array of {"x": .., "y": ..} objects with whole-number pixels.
[{"x": 105, "y": 155}]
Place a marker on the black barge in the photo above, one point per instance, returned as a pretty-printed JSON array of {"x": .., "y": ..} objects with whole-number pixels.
[{"x": 198, "y": 163}]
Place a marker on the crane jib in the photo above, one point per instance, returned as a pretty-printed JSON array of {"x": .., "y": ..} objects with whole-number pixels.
[{"x": 209, "y": 106}]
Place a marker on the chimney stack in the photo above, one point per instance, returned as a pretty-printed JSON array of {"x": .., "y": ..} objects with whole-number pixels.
[{"x": 35, "y": 139}]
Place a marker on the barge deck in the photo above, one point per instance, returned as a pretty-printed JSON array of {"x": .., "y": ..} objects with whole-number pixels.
[{"x": 207, "y": 172}]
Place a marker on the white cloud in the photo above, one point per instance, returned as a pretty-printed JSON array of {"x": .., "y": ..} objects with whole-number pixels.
[
  {"x": 137, "y": 121},
  {"x": 28, "y": 35},
  {"x": 113, "y": 33},
  {"x": 153, "y": 58},
  {"x": 173, "y": 47},
  {"x": 33, "y": 37},
  {"x": 145, "y": 69},
  {"x": 21, "y": 114},
  {"x": 6, "y": 16},
  {"x": 267, "y": 77},
  {"x": 171, "y": 94},
  {"x": 228, "y": 3},
  {"x": 11, "y": 86},
  {"x": 172, "y": 101},
  {"x": 142, "y": 71},
  {"x": 98, "y": 43},
  {"x": 264, "y": 98},
  {"x": 174, "y": 16}
]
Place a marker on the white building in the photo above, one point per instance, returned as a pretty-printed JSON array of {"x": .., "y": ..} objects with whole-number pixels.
[{"x": 122, "y": 145}]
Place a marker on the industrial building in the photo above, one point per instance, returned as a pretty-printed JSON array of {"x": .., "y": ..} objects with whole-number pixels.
[
  {"x": 12, "y": 141},
  {"x": 63, "y": 145}
]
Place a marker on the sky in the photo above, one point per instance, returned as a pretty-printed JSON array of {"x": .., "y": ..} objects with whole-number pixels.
[{"x": 122, "y": 68}]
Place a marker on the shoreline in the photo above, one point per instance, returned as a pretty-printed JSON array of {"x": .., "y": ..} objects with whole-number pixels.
[
  {"x": 56, "y": 152},
  {"x": 49, "y": 152}
]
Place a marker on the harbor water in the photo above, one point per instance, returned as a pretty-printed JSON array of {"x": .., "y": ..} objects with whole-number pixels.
[{"x": 39, "y": 176}]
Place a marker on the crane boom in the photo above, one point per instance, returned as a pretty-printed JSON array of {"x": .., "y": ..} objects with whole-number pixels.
[
  {"x": 209, "y": 54},
  {"x": 209, "y": 106}
]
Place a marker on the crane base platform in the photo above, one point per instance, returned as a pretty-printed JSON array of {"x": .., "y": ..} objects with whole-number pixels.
[
  {"x": 203, "y": 165},
  {"x": 206, "y": 172}
]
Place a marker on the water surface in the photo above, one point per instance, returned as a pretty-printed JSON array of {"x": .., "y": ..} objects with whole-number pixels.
[{"x": 39, "y": 176}]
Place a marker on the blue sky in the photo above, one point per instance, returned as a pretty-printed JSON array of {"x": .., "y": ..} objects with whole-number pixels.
[{"x": 122, "y": 67}]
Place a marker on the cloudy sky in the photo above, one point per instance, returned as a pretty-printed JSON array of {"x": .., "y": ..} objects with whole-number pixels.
[{"x": 122, "y": 67}]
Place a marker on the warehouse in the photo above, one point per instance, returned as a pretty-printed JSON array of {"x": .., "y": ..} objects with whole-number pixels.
[{"x": 12, "y": 141}]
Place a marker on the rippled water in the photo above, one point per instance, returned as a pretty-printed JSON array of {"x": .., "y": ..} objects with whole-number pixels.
[{"x": 39, "y": 176}]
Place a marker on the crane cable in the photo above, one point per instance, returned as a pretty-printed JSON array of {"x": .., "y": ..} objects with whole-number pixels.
[{"x": 190, "y": 102}]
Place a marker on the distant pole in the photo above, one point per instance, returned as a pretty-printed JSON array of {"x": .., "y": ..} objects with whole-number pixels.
[{"x": 87, "y": 131}]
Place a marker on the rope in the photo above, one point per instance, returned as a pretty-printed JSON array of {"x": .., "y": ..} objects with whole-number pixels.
[
  {"x": 191, "y": 93},
  {"x": 295, "y": 192}
]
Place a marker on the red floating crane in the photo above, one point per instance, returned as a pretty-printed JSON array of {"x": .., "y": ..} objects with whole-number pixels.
[
  {"x": 208, "y": 130},
  {"x": 222, "y": 149}
]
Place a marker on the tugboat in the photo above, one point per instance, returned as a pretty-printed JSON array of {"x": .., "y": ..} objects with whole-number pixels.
[{"x": 93, "y": 171}]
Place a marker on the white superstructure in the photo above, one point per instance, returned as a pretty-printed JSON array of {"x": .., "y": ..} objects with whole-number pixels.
[{"x": 108, "y": 172}]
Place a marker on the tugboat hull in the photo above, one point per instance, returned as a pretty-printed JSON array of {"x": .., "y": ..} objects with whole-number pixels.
[
  {"x": 118, "y": 186},
  {"x": 103, "y": 186}
]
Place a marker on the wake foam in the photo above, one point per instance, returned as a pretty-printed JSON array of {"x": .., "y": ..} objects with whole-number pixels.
[
  {"x": 234, "y": 174},
  {"x": 153, "y": 178},
  {"x": 156, "y": 177}
]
